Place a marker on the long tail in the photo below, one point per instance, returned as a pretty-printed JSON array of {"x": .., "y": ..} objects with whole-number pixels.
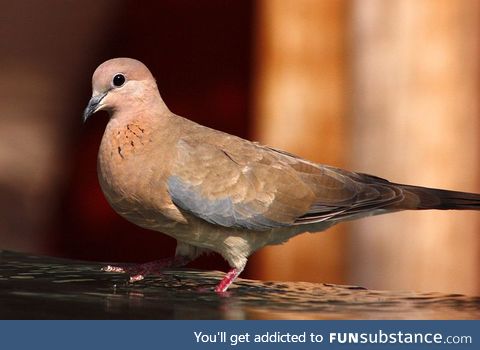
[{"x": 432, "y": 198}]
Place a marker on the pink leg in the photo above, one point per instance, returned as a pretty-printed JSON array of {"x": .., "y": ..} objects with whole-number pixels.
[
  {"x": 138, "y": 272},
  {"x": 227, "y": 280}
]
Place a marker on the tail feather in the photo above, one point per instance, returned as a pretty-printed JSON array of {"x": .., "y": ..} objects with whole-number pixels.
[{"x": 432, "y": 198}]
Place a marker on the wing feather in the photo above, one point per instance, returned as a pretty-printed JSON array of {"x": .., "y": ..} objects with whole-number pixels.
[{"x": 240, "y": 184}]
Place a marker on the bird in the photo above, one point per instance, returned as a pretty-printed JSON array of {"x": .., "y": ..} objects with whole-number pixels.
[{"x": 216, "y": 192}]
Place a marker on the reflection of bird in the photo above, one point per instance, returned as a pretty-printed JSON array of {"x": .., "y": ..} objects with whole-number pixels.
[{"x": 212, "y": 191}]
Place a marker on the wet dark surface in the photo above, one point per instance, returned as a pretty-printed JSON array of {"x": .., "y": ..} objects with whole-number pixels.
[{"x": 33, "y": 287}]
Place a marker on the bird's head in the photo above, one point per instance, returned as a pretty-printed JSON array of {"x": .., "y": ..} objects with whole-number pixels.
[{"x": 119, "y": 84}]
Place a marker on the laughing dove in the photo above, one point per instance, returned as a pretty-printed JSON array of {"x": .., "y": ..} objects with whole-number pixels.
[{"x": 212, "y": 191}]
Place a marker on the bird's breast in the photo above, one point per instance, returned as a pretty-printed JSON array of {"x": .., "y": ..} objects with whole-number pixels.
[
  {"x": 131, "y": 174},
  {"x": 121, "y": 165}
]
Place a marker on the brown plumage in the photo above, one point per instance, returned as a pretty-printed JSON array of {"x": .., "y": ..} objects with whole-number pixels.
[{"x": 216, "y": 192}]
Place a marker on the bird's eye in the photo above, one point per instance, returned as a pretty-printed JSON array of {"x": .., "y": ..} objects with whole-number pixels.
[{"x": 118, "y": 80}]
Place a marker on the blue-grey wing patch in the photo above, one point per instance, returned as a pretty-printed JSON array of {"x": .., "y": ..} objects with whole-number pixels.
[{"x": 220, "y": 211}]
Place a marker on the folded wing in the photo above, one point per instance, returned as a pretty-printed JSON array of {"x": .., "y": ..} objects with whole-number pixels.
[{"x": 244, "y": 185}]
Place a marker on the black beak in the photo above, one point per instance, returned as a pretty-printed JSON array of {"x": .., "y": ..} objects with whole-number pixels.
[{"x": 93, "y": 105}]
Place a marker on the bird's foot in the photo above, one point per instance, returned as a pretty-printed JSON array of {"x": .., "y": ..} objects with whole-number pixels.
[
  {"x": 138, "y": 272},
  {"x": 222, "y": 287},
  {"x": 110, "y": 268}
]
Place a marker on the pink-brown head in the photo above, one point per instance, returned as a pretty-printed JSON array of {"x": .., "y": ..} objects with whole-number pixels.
[{"x": 120, "y": 84}]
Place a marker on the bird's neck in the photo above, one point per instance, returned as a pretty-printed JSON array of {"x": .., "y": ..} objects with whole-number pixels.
[
  {"x": 149, "y": 114},
  {"x": 132, "y": 130}
]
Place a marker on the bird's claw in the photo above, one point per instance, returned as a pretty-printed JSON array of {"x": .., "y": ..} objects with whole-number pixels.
[
  {"x": 110, "y": 268},
  {"x": 136, "y": 278}
]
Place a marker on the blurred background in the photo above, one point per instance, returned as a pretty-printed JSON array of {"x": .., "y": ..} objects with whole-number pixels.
[{"x": 389, "y": 88}]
